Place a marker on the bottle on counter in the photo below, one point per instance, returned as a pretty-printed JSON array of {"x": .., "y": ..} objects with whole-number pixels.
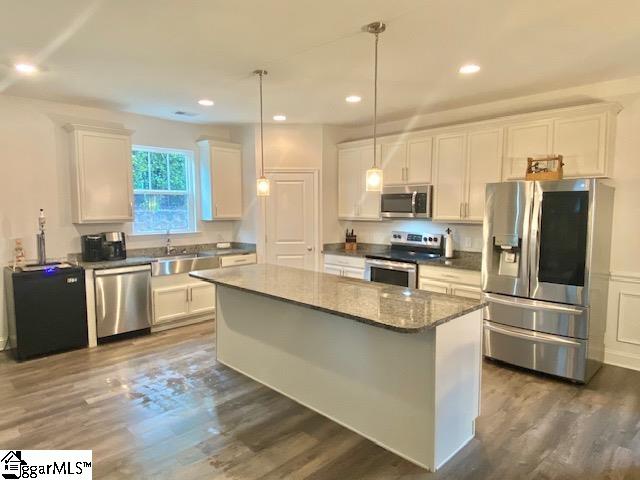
[{"x": 448, "y": 244}]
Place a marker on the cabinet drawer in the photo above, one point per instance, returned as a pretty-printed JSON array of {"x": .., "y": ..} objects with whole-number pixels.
[
  {"x": 453, "y": 275},
  {"x": 235, "y": 260},
  {"x": 433, "y": 286},
  {"x": 344, "y": 261},
  {"x": 466, "y": 291}
]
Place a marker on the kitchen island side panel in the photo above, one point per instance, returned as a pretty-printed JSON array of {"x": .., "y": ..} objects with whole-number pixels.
[{"x": 376, "y": 382}]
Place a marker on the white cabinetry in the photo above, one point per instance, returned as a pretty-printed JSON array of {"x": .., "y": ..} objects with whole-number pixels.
[
  {"x": 101, "y": 188},
  {"x": 584, "y": 136},
  {"x": 221, "y": 180},
  {"x": 354, "y": 202},
  {"x": 344, "y": 266},
  {"x": 178, "y": 297},
  {"x": 462, "y": 283},
  {"x": 406, "y": 161},
  {"x": 464, "y": 163}
]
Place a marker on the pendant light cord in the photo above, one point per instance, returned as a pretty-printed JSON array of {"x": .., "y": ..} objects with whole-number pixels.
[
  {"x": 261, "y": 131},
  {"x": 375, "y": 100}
]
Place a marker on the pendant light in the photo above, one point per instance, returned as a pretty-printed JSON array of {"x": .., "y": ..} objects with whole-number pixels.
[
  {"x": 262, "y": 183},
  {"x": 374, "y": 174}
]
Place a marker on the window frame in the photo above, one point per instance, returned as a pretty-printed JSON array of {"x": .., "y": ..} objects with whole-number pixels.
[{"x": 191, "y": 190}]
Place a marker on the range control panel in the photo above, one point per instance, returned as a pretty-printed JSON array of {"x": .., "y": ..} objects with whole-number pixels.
[{"x": 432, "y": 240}]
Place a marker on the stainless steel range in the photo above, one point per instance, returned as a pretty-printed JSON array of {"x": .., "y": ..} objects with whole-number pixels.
[
  {"x": 545, "y": 269},
  {"x": 399, "y": 264}
]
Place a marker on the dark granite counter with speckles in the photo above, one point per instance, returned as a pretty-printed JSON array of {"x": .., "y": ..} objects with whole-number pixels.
[
  {"x": 462, "y": 260},
  {"x": 387, "y": 306}
]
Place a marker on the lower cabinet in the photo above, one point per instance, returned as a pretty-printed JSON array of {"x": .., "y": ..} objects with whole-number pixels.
[
  {"x": 177, "y": 297},
  {"x": 344, "y": 266},
  {"x": 450, "y": 281}
]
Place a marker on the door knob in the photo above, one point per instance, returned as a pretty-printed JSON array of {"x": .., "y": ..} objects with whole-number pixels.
[{"x": 309, "y": 249}]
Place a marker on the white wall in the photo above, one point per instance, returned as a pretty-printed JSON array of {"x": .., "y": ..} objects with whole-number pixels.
[{"x": 35, "y": 161}]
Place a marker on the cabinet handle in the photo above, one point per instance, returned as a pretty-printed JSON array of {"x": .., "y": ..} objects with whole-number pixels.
[
  {"x": 187, "y": 292},
  {"x": 466, "y": 210},
  {"x": 461, "y": 208}
]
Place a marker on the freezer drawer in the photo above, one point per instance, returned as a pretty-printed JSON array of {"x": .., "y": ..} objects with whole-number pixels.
[
  {"x": 565, "y": 357},
  {"x": 123, "y": 300},
  {"x": 545, "y": 317}
]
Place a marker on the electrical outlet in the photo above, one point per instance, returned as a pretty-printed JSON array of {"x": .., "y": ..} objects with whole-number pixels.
[{"x": 467, "y": 242}]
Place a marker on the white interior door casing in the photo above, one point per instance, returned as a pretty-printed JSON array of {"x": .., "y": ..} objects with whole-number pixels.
[{"x": 291, "y": 219}]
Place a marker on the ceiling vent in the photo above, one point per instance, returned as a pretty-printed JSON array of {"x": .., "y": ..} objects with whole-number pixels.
[{"x": 185, "y": 114}]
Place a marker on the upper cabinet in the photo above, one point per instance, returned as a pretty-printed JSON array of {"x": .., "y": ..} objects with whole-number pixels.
[
  {"x": 464, "y": 162},
  {"x": 406, "y": 161},
  {"x": 101, "y": 187},
  {"x": 584, "y": 136},
  {"x": 221, "y": 180},
  {"x": 354, "y": 202}
]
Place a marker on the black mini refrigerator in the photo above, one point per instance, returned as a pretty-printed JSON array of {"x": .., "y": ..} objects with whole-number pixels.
[{"x": 46, "y": 310}]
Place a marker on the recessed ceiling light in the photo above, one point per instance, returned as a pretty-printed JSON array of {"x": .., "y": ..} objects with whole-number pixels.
[
  {"x": 469, "y": 68},
  {"x": 206, "y": 102},
  {"x": 353, "y": 98},
  {"x": 25, "y": 68},
  {"x": 279, "y": 118}
]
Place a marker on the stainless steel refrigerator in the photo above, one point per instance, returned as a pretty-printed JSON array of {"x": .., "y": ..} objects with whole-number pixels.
[{"x": 545, "y": 273}]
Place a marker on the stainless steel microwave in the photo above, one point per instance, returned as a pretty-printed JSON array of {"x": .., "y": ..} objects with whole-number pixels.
[{"x": 409, "y": 201}]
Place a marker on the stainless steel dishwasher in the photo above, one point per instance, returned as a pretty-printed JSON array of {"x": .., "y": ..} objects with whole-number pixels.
[{"x": 123, "y": 300}]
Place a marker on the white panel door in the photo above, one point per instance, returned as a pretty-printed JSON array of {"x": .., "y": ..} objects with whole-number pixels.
[
  {"x": 525, "y": 140},
  {"x": 368, "y": 202},
  {"x": 449, "y": 173},
  {"x": 484, "y": 165},
  {"x": 290, "y": 211},
  {"x": 348, "y": 182},
  {"x": 394, "y": 161},
  {"x": 170, "y": 303},
  {"x": 202, "y": 298},
  {"x": 226, "y": 180},
  {"x": 581, "y": 142},
  {"x": 105, "y": 170},
  {"x": 419, "y": 160}
]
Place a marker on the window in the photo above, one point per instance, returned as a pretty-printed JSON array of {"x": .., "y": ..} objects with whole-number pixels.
[{"x": 163, "y": 190}]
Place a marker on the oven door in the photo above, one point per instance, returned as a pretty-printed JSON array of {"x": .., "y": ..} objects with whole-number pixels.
[{"x": 390, "y": 272}]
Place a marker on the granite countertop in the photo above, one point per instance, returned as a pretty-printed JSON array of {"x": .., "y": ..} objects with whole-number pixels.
[
  {"x": 145, "y": 256},
  {"x": 387, "y": 306},
  {"x": 462, "y": 260}
]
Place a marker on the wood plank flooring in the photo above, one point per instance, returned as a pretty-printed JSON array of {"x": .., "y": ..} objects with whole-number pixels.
[{"x": 160, "y": 407}]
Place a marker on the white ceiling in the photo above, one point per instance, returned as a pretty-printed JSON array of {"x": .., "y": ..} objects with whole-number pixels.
[{"x": 158, "y": 56}]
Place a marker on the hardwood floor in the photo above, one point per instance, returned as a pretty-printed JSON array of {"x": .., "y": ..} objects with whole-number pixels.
[{"x": 161, "y": 407}]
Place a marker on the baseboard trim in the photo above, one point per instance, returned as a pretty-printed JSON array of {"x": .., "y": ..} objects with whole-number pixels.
[{"x": 622, "y": 359}]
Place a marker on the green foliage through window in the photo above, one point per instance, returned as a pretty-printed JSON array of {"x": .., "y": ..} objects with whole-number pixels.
[{"x": 163, "y": 191}]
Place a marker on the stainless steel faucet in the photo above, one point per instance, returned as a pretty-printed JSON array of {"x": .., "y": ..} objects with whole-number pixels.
[{"x": 168, "y": 248}]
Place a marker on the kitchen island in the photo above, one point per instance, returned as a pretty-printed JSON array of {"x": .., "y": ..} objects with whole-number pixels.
[{"x": 399, "y": 366}]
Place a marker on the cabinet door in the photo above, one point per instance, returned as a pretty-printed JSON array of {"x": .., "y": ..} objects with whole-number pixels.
[
  {"x": 393, "y": 161},
  {"x": 466, "y": 291},
  {"x": 450, "y": 160},
  {"x": 525, "y": 140},
  {"x": 349, "y": 182},
  {"x": 170, "y": 303},
  {"x": 368, "y": 202},
  {"x": 202, "y": 298},
  {"x": 352, "y": 272},
  {"x": 419, "y": 159},
  {"x": 104, "y": 174},
  {"x": 226, "y": 182},
  {"x": 332, "y": 269},
  {"x": 484, "y": 165},
  {"x": 581, "y": 141},
  {"x": 433, "y": 286}
]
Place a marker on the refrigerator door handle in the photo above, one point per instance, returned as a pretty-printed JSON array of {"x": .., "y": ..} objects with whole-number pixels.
[
  {"x": 532, "y": 336},
  {"x": 533, "y": 304}
]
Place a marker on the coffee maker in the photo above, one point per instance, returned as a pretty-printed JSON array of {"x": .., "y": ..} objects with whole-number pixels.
[
  {"x": 114, "y": 246},
  {"x": 91, "y": 247}
]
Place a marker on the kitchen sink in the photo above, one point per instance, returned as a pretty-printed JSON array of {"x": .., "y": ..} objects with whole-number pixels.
[{"x": 184, "y": 263}]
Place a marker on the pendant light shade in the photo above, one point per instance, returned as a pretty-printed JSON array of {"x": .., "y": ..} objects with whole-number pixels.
[
  {"x": 374, "y": 178},
  {"x": 263, "y": 188}
]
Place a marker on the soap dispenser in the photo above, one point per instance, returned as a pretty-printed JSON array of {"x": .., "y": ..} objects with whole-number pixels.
[{"x": 448, "y": 244}]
